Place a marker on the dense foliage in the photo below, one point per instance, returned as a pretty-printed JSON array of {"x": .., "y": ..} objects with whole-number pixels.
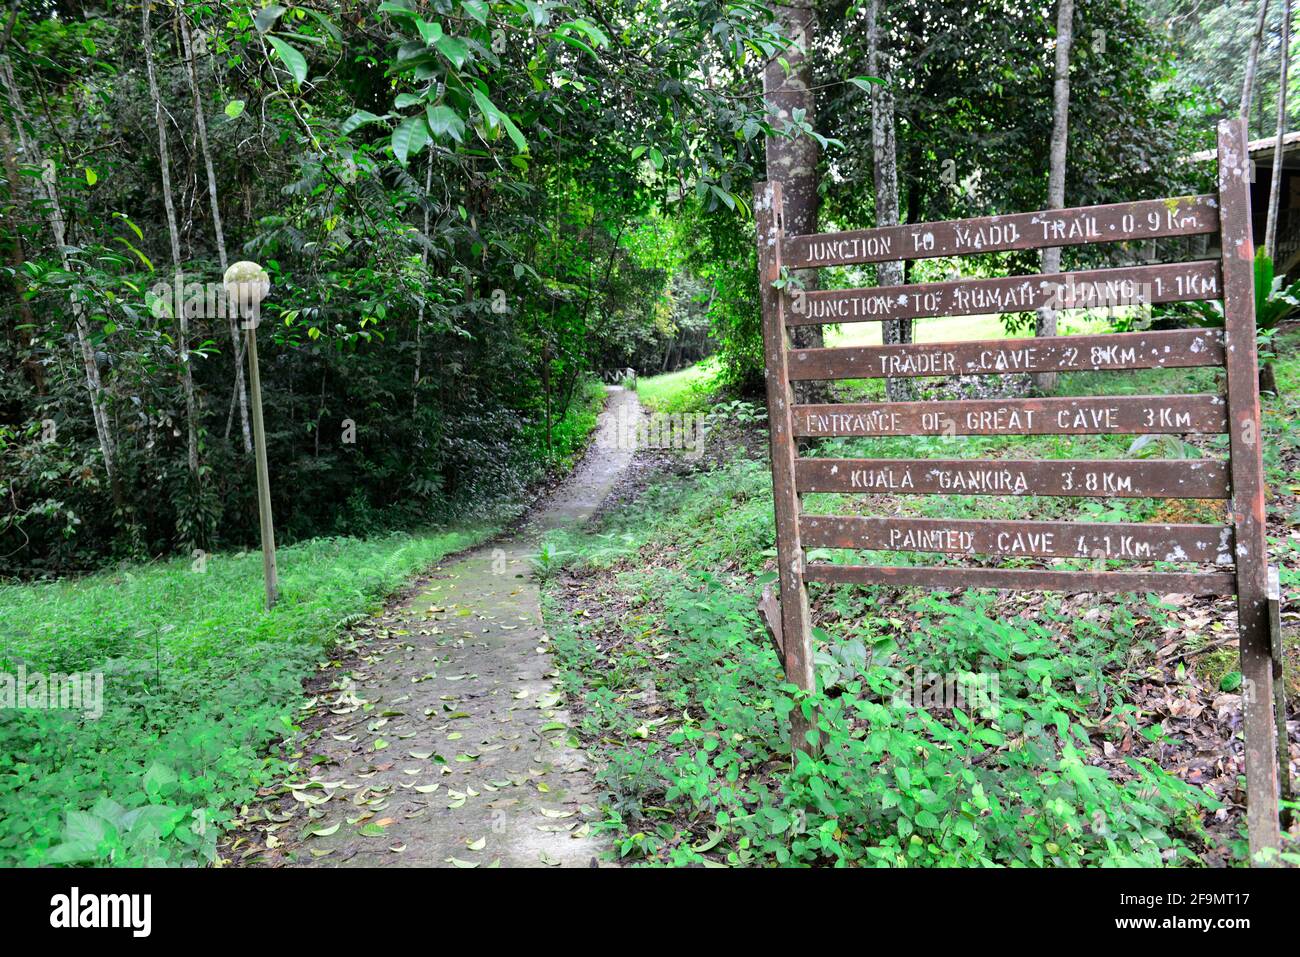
[
  {"x": 456, "y": 201},
  {"x": 972, "y": 88}
]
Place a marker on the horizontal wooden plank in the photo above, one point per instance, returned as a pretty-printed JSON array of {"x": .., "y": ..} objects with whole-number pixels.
[
  {"x": 1092, "y": 289},
  {"x": 1123, "y": 415},
  {"x": 1118, "y": 222},
  {"x": 1178, "y": 348},
  {"x": 1127, "y": 541},
  {"x": 1155, "y": 478},
  {"x": 1026, "y": 579}
]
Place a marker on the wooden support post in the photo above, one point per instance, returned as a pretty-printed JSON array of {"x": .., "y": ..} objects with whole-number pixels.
[
  {"x": 1247, "y": 506},
  {"x": 246, "y": 284},
  {"x": 270, "y": 574},
  {"x": 1279, "y": 690},
  {"x": 796, "y": 627}
]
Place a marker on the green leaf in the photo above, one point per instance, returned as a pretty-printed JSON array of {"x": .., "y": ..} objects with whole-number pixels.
[
  {"x": 454, "y": 50},
  {"x": 397, "y": 8},
  {"x": 445, "y": 122},
  {"x": 267, "y": 16},
  {"x": 409, "y": 138},
  {"x": 575, "y": 42},
  {"x": 540, "y": 15},
  {"x": 723, "y": 195},
  {"x": 292, "y": 59},
  {"x": 138, "y": 255},
  {"x": 134, "y": 228},
  {"x": 1263, "y": 277},
  {"x": 406, "y": 99},
  {"x": 326, "y": 24},
  {"x": 866, "y": 82},
  {"x": 359, "y": 118},
  {"x": 85, "y": 828},
  {"x": 158, "y": 779},
  {"x": 431, "y": 33},
  {"x": 490, "y": 110},
  {"x": 235, "y": 109},
  {"x": 91, "y": 177},
  {"x": 476, "y": 9}
]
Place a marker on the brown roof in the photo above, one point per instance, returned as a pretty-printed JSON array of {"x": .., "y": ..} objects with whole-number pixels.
[{"x": 1258, "y": 148}]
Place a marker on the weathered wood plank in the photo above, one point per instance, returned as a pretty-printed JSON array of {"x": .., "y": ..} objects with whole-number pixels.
[
  {"x": 1179, "y": 348},
  {"x": 1247, "y": 507},
  {"x": 1154, "y": 478},
  {"x": 1125, "y": 415},
  {"x": 796, "y": 624},
  {"x": 1127, "y": 541},
  {"x": 1148, "y": 219},
  {"x": 1093, "y": 289},
  {"x": 769, "y": 612},
  {"x": 1026, "y": 579}
]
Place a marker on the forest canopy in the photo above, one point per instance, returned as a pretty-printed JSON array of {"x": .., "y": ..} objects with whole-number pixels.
[{"x": 468, "y": 211}]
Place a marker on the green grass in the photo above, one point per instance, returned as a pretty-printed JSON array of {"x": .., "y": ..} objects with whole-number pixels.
[
  {"x": 199, "y": 682},
  {"x": 686, "y": 390},
  {"x": 570, "y": 433},
  {"x": 957, "y": 329}
]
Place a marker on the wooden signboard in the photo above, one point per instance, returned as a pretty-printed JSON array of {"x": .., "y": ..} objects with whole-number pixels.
[{"x": 1234, "y": 553}]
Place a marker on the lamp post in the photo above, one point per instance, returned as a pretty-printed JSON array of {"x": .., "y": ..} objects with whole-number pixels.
[{"x": 246, "y": 285}]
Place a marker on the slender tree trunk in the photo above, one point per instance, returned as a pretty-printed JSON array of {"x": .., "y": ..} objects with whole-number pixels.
[
  {"x": 884, "y": 153},
  {"x": 54, "y": 216},
  {"x": 1275, "y": 187},
  {"x": 201, "y": 123},
  {"x": 793, "y": 161},
  {"x": 24, "y": 333},
  {"x": 915, "y": 211},
  {"x": 1252, "y": 62},
  {"x": 424, "y": 269},
  {"x": 182, "y": 320},
  {"x": 546, "y": 389},
  {"x": 1051, "y": 258}
]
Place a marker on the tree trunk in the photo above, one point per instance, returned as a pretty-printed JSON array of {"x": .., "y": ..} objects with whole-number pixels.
[
  {"x": 424, "y": 269},
  {"x": 1252, "y": 63},
  {"x": 24, "y": 333},
  {"x": 884, "y": 154},
  {"x": 1275, "y": 187},
  {"x": 201, "y": 123},
  {"x": 793, "y": 162},
  {"x": 1051, "y": 258},
  {"x": 182, "y": 320},
  {"x": 54, "y": 216}
]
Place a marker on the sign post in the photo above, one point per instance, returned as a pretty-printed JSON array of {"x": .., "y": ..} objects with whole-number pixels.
[
  {"x": 1235, "y": 551},
  {"x": 246, "y": 286},
  {"x": 795, "y": 629},
  {"x": 1247, "y": 507}
]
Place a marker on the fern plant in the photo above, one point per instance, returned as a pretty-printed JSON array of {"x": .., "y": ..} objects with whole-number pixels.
[{"x": 1275, "y": 303}]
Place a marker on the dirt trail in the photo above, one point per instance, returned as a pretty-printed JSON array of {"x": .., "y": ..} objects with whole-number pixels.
[{"x": 460, "y": 671}]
